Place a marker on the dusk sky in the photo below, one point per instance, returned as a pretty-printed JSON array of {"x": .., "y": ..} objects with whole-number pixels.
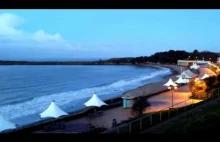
[{"x": 70, "y": 34}]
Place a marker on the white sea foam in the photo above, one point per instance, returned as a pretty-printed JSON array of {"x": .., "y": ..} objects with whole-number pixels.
[{"x": 38, "y": 104}]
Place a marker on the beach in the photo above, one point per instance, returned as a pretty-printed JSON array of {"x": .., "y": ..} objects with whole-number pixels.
[
  {"x": 155, "y": 87},
  {"x": 159, "y": 98},
  {"x": 115, "y": 110}
]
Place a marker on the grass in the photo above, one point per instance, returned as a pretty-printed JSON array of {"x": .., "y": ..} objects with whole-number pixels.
[{"x": 206, "y": 120}]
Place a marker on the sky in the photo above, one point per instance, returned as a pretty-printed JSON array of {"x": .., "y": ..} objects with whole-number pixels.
[{"x": 74, "y": 34}]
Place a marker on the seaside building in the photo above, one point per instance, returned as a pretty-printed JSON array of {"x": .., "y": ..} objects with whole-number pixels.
[
  {"x": 191, "y": 62},
  {"x": 185, "y": 62},
  {"x": 188, "y": 75},
  {"x": 218, "y": 60},
  {"x": 128, "y": 101}
]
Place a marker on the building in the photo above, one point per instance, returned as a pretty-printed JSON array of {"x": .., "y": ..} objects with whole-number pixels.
[
  {"x": 191, "y": 62},
  {"x": 218, "y": 60},
  {"x": 128, "y": 101},
  {"x": 185, "y": 62}
]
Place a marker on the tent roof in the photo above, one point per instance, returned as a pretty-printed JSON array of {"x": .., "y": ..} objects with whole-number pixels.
[
  {"x": 5, "y": 124},
  {"x": 170, "y": 83},
  {"x": 184, "y": 75},
  {"x": 205, "y": 76},
  {"x": 188, "y": 74},
  {"x": 181, "y": 80},
  {"x": 53, "y": 111},
  {"x": 95, "y": 101},
  {"x": 194, "y": 66}
]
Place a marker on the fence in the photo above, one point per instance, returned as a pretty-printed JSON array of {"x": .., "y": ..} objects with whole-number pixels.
[{"x": 151, "y": 119}]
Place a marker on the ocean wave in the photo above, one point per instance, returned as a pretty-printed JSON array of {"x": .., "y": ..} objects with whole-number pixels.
[{"x": 38, "y": 104}]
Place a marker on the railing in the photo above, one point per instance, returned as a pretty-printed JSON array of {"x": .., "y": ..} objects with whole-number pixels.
[{"x": 151, "y": 119}]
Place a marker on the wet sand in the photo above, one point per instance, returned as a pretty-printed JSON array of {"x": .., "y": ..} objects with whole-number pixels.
[{"x": 155, "y": 87}]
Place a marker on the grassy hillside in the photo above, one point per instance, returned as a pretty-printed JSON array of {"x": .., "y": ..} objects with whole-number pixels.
[{"x": 206, "y": 120}]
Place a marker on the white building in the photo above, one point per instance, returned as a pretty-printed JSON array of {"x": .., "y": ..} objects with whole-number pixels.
[
  {"x": 185, "y": 62},
  {"x": 191, "y": 62},
  {"x": 218, "y": 60}
]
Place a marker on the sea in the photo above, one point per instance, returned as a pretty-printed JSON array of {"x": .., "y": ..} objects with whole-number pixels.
[{"x": 27, "y": 90}]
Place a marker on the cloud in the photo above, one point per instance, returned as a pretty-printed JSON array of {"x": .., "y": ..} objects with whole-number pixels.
[
  {"x": 9, "y": 31},
  {"x": 42, "y": 36},
  {"x": 17, "y": 44},
  {"x": 8, "y": 24}
]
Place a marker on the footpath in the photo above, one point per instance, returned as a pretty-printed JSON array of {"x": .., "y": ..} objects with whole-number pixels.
[{"x": 162, "y": 127}]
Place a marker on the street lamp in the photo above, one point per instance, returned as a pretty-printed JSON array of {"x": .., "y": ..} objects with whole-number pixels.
[
  {"x": 171, "y": 86},
  {"x": 203, "y": 58},
  {"x": 189, "y": 57}
]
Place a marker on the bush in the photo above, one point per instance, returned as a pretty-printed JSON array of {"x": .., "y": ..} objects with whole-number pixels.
[
  {"x": 198, "y": 89},
  {"x": 218, "y": 78},
  {"x": 140, "y": 105},
  {"x": 210, "y": 82}
]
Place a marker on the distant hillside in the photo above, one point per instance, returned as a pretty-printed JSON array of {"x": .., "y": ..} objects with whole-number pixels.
[
  {"x": 206, "y": 51},
  {"x": 169, "y": 57}
]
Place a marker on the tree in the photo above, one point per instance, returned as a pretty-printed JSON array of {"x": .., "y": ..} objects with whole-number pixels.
[
  {"x": 198, "y": 89},
  {"x": 140, "y": 105},
  {"x": 210, "y": 82},
  {"x": 133, "y": 61},
  {"x": 196, "y": 52},
  {"x": 218, "y": 78},
  {"x": 117, "y": 62}
]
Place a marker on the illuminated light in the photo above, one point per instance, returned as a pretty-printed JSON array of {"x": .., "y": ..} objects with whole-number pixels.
[
  {"x": 169, "y": 87},
  {"x": 175, "y": 87},
  {"x": 196, "y": 80}
]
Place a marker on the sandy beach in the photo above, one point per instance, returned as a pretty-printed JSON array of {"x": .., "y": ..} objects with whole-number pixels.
[
  {"x": 158, "y": 101},
  {"x": 121, "y": 114},
  {"x": 155, "y": 87}
]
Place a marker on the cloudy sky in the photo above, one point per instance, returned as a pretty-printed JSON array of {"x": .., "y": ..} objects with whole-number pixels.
[{"x": 71, "y": 34}]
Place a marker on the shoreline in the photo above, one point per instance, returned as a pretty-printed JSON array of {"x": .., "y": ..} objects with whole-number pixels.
[{"x": 142, "y": 90}]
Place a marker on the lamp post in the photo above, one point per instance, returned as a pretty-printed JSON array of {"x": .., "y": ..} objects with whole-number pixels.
[
  {"x": 189, "y": 58},
  {"x": 172, "y": 88}
]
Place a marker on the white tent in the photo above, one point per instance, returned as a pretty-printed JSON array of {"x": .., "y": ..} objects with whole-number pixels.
[
  {"x": 5, "y": 124},
  {"x": 170, "y": 83},
  {"x": 180, "y": 80},
  {"x": 205, "y": 76},
  {"x": 95, "y": 101},
  {"x": 194, "y": 66},
  {"x": 187, "y": 74},
  {"x": 184, "y": 76},
  {"x": 53, "y": 111}
]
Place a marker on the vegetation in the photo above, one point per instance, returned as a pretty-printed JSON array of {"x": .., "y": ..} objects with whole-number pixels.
[
  {"x": 198, "y": 89},
  {"x": 170, "y": 57},
  {"x": 205, "y": 121},
  {"x": 140, "y": 105},
  {"x": 210, "y": 82},
  {"x": 218, "y": 78}
]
